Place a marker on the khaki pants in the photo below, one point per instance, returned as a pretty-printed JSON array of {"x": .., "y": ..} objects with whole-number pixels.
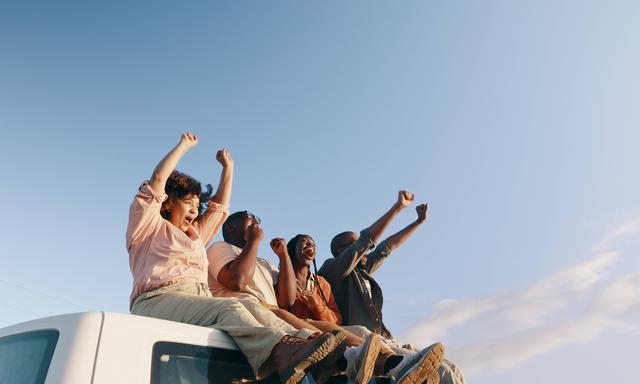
[
  {"x": 449, "y": 372},
  {"x": 253, "y": 328}
]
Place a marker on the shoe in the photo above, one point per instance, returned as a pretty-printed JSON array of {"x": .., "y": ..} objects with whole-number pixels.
[
  {"x": 326, "y": 368},
  {"x": 420, "y": 367},
  {"x": 361, "y": 359},
  {"x": 292, "y": 355}
]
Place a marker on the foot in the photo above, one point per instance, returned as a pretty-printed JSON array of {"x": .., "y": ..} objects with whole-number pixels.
[
  {"x": 420, "y": 367},
  {"x": 328, "y": 367},
  {"x": 292, "y": 355},
  {"x": 361, "y": 359}
]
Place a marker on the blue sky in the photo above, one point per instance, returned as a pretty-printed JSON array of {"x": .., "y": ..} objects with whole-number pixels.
[{"x": 516, "y": 121}]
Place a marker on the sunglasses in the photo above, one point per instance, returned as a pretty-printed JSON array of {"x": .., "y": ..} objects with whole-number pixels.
[{"x": 252, "y": 217}]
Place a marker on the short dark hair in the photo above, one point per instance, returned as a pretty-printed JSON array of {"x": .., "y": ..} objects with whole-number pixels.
[
  {"x": 337, "y": 242},
  {"x": 226, "y": 234},
  {"x": 180, "y": 185}
]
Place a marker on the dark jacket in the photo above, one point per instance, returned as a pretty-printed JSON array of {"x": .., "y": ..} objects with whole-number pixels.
[{"x": 347, "y": 282}]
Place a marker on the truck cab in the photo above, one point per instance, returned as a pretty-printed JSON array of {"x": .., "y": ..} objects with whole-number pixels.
[{"x": 109, "y": 348}]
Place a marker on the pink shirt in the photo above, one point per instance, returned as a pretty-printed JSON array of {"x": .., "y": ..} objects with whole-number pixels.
[{"x": 159, "y": 252}]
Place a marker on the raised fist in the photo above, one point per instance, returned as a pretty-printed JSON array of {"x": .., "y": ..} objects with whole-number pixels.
[
  {"x": 405, "y": 198},
  {"x": 224, "y": 157},
  {"x": 422, "y": 210},
  {"x": 189, "y": 140},
  {"x": 279, "y": 246},
  {"x": 254, "y": 232}
]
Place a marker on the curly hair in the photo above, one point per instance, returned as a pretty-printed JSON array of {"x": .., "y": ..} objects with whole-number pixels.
[{"x": 180, "y": 185}]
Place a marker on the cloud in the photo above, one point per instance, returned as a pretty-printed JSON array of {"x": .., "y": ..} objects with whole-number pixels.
[{"x": 570, "y": 307}]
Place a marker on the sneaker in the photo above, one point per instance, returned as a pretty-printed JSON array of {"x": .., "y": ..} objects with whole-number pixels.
[
  {"x": 292, "y": 355},
  {"x": 420, "y": 367},
  {"x": 361, "y": 359}
]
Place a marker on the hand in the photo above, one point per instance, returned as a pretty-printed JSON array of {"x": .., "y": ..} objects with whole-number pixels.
[
  {"x": 189, "y": 140},
  {"x": 311, "y": 301},
  {"x": 279, "y": 247},
  {"x": 405, "y": 198},
  {"x": 422, "y": 210},
  {"x": 224, "y": 158},
  {"x": 254, "y": 232}
]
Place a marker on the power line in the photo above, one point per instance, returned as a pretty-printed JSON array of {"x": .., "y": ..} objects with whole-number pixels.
[
  {"x": 43, "y": 294},
  {"x": 20, "y": 309}
]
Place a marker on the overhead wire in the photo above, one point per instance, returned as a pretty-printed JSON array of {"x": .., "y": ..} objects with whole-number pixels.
[{"x": 44, "y": 294}]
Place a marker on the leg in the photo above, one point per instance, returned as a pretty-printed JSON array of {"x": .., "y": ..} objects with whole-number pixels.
[
  {"x": 228, "y": 315},
  {"x": 267, "y": 318},
  {"x": 293, "y": 320},
  {"x": 326, "y": 326}
]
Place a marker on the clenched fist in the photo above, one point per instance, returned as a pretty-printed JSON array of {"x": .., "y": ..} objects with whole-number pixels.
[
  {"x": 279, "y": 246},
  {"x": 405, "y": 198},
  {"x": 422, "y": 210},
  {"x": 189, "y": 140},
  {"x": 254, "y": 232},
  {"x": 224, "y": 157}
]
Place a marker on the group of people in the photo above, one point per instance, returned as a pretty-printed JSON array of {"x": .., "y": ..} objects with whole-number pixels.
[{"x": 288, "y": 318}]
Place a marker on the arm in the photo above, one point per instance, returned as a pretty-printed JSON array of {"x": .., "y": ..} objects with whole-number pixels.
[
  {"x": 375, "y": 258},
  {"x": 376, "y": 229},
  {"x": 212, "y": 219},
  {"x": 286, "y": 285},
  {"x": 170, "y": 161},
  {"x": 237, "y": 274},
  {"x": 339, "y": 267},
  {"x": 223, "y": 193}
]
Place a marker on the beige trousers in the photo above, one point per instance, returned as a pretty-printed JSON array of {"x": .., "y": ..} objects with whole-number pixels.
[{"x": 255, "y": 329}]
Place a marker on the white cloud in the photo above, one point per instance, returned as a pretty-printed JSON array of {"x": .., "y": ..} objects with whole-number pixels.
[{"x": 572, "y": 306}]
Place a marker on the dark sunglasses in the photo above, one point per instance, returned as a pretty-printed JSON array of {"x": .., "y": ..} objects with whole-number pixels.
[{"x": 252, "y": 217}]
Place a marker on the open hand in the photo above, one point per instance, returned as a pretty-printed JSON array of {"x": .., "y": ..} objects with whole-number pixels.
[
  {"x": 279, "y": 246},
  {"x": 405, "y": 198},
  {"x": 254, "y": 232},
  {"x": 422, "y": 210},
  {"x": 189, "y": 140},
  {"x": 224, "y": 157}
]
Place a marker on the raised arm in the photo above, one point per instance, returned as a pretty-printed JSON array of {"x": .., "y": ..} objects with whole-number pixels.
[
  {"x": 168, "y": 163},
  {"x": 209, "y": 223},
  {"x": 237, "y": 274},
  {"x": 286, "y": 284},
  {"x": 223, "y": 193},
  {"x": 384, "y": 249},
  {"x": 376, "y": 229},
  {"x": 396, "y": 240}
]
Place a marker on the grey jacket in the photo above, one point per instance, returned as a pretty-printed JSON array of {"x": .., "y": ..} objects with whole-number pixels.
[{"x": 347, "y": 281}]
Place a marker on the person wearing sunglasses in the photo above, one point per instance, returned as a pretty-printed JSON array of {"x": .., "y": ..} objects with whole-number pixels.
[
  {"x": 170, "y": 221},
  {"x": 235, "y": 270}
]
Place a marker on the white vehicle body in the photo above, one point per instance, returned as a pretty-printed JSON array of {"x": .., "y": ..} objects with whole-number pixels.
[{"x": 109, "y": 348}]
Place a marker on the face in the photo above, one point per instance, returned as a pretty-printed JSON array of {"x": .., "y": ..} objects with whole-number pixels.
[
  {"x": 305, "y": 251},
  {"x": 184, "y": 211},
  {"x": 245, "y": 221}
]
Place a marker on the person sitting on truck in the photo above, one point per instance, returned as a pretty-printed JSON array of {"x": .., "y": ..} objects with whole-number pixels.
[
  {"x": 235, "y": 270},
  {"x": 170, "y": 221},
  {"x": 349, "y": 272},
  {"x": 315, "y": 301}
]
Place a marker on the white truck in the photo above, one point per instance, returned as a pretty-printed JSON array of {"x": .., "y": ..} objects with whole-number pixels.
[{"x": 116, "y": 348}]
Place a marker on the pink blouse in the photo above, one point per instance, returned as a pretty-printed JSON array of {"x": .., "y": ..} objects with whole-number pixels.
[{"x": 159, "y": 252}]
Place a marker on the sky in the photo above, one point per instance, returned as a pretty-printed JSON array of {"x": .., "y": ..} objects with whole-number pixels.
[{"x": 516, "y": 121}]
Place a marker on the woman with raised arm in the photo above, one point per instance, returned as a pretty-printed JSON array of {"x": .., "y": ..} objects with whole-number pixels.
[{"x": 170, "y": 221}]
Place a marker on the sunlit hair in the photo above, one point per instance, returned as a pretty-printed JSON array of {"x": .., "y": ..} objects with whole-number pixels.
[
  {"x": 291, "y": 249},
  {"x": 180, "y": 185}
]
